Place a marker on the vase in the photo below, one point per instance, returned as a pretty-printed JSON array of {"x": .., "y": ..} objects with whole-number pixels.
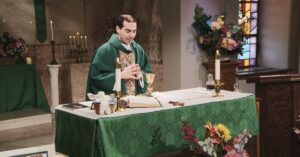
[
  {"x": 20, "y": 60},
  {"x": 226, "y": 59}
]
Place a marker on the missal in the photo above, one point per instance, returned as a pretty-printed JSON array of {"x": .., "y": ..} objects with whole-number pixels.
[
  {"x": 141, "y": 101},
  {"x": 74, "y": 106}
]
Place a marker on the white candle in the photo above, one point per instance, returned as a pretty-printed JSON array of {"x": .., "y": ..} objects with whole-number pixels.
[
  {"x": 74, "y": 42},
  {"x": 77, "y": 38},
  {"x": 85, "y": 40},
  {"x": 118, "y": 77},
  {"x": 71, "y": 46},
  {"x": 81, "y": 40},
  {"x": 51, "y": 30},
  {"x": 217, "y": 66}
]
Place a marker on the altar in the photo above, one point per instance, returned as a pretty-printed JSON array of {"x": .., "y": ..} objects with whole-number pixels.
[
  {"x": 21, "y": 88},
  {"x": 149, "y": 131}
]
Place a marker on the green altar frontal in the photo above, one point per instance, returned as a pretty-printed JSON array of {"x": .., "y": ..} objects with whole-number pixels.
[
  {"x": 145, "y": 134},
  {"x": 21, "y": 88}
]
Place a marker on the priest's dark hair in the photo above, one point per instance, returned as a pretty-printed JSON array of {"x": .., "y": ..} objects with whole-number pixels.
[{"x": 124, "y": 17}]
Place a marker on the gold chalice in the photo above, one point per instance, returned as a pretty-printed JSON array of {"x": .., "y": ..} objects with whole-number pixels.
[{"x": 150, "y": 79}]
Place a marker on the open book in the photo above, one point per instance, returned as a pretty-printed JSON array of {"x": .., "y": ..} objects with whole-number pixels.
[
  {"x": 74, "y": 106},
  {"x": 141, "y": 101}
]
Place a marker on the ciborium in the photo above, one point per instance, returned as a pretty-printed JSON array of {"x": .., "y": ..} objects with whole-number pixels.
[{"x": 150, "y": 79}]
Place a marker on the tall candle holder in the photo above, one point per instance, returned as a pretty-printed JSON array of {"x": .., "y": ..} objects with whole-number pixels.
[{"x": 53, "y": 62}]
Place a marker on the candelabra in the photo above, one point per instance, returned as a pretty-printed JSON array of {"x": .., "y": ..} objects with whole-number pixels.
[
  {"x": 76, "y": 52},
  {"x": 53, "y": 52},
  {"x": 78, "y": 46}
]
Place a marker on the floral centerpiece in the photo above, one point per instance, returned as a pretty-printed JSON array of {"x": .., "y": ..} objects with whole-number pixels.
[
  {"x": 213, "y": 33},
  {"x": 11, "y": 47},
  {"x": 216, "y": 142}
]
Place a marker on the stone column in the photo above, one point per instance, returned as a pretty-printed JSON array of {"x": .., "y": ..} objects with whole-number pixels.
[{"x": 53, "y": 69}]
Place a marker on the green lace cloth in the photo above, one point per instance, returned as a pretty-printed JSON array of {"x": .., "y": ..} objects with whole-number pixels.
[
  {"x": 21, "y": 88},
  {"x": 145, "y": 134}
]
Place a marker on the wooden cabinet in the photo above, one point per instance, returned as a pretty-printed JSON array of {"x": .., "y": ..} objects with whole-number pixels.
[
  {"x": 228, "y": 73},
  {"x": 280, "y": 105}
]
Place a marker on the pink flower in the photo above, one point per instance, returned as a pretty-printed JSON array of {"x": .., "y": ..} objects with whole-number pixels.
[
  {"x": 231, "y": 44},
  {"x": 18, "y": 43}
]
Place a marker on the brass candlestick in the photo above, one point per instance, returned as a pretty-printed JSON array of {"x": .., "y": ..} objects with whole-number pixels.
[
  {"x": 150, "y": 79},
  {"x": 218, "y": 85},
  {"x": 118, "y": 95}
]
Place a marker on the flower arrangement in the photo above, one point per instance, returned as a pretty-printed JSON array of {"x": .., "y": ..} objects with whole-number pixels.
[
  {"x": 10, "y": 47},
  {"x": 213, "y": 33},
  {"x": 216, "y": 142}
]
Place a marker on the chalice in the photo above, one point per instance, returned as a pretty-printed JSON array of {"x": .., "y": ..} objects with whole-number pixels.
[{"x": 150, "y": 80}]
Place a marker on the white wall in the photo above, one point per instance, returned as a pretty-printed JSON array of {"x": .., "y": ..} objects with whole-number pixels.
[
  {"x": 171, "y": 44},
  {"x": 274, "y": 33}
]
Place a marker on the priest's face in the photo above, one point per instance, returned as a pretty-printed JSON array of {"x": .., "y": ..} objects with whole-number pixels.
[{"x": 128, "y": 32}]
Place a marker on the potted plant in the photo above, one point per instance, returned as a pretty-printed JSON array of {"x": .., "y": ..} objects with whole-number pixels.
[
  {"x": 212, "y": 33},
  {"x": 217, "y": 141},
  {"x": 13, "y": 48}
]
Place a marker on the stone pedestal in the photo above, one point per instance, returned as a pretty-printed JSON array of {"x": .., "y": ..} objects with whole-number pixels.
[{"x": 53, "y": 69}]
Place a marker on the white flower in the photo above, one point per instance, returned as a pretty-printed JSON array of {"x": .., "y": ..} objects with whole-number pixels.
[
  {"x": 240, "y": 21},
  {"x": 215, "y": 25},
  {"x": 243, "y": 20}
]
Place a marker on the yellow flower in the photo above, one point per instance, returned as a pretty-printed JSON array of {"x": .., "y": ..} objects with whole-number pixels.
[
  {"x": 224, "y": 131},
  {"x": 220, "y": 20},
  {"x": 228, "y": 34}
]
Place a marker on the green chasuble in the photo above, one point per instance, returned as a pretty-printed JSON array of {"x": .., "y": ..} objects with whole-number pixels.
[{"x": 102, "y": 69}]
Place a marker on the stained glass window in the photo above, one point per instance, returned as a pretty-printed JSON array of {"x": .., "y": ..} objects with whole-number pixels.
[{"x": 249, "y": 9}]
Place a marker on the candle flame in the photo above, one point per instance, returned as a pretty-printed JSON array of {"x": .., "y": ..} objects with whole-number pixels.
[
  {"x": 51, "y": 21},
  {"x": 77, "y": 33},
  {"x": 85, "y": 36}
]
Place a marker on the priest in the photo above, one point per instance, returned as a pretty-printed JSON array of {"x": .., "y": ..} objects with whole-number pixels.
[{"x": 134, "y": 61}]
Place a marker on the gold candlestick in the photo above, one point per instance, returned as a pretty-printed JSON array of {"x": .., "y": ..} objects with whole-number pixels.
[
  {"x": 118, "y": 95},
  {"x": 118, "y": 92},
  {"x": 218, "y": 85},
  {"x": 150, "y": 79}
]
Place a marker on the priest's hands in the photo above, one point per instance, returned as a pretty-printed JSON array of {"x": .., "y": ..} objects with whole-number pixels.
[{"x": 132, "y": 71}]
